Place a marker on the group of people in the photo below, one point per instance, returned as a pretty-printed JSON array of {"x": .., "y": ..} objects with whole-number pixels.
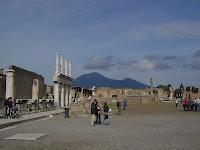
[
  {"x": 10, "y": 108},
  {"x": 119, "y": 105},
  {"x": 96, "y": 113},
  {"x": 190, "y": 104}
]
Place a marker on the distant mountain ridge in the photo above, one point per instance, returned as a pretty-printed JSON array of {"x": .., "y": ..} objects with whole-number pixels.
[{"x": 98, "y": 80}]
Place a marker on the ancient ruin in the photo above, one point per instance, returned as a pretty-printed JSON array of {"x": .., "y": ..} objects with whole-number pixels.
[
  {"x": 23, "y": 84},
  {"x": 62, "y": 82}
]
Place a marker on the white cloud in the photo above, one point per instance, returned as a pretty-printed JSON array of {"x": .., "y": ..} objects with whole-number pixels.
[
  {"x": 144, "y": 65},
  {"x": 102, "y": 63}
]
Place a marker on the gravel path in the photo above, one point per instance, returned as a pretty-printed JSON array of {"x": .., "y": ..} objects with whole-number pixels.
[{"x": 147, "y": 126}]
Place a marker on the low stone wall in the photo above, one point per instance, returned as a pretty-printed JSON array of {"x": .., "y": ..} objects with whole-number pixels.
[
  {"x": 29, "y": 105},
  {"x": 84, "y": 107}
]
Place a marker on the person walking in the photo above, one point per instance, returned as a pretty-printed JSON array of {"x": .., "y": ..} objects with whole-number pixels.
[
  {"x": 119, "y": 106},
  {"x": 93, "y": 112},
  {"x": 124, "y": 104},
  {"x": 106, "y": 109}
]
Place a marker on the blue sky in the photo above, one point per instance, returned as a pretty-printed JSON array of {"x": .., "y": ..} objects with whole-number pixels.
[{"x": 138, "y": 39}]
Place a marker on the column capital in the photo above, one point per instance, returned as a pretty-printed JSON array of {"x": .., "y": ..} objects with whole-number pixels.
[{"x": 10, "y": 72}]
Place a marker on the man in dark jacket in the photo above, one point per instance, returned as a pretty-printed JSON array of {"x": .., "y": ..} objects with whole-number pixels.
[{"x": 93, "y": 112}]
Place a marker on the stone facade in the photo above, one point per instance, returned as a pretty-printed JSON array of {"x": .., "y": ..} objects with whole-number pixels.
[
  {"x": 135, "y": 94},
  {"x": 104, "y": 92},
  {"x": 23, "y": 84}
]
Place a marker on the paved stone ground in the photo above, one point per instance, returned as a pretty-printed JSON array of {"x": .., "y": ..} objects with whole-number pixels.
[
  {"x": 28, "y": 117},
  {"x": 142, "y": 126}
]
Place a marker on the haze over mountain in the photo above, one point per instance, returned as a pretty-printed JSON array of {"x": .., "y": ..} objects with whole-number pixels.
[{"x": 98, "y": 80}]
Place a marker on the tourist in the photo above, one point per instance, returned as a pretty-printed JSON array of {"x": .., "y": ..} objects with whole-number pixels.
[
  {"x": 6, "y": 107},
  {"x": 10, "y": 106},
  {"x": 106, "y": 109},
  {"x": 191, "y": 104},
  {"x": 118, "y": 106},
  {"x": 185, "y": 104},
  {"x": 98, "y": 114},
  {"x": 195, "y": 105},
  {"x": 198, "y": 104},
  {"x": 124, "y": 104},
  {"x": 177, "y": 101},
  {"x": 93, "y": 112}
]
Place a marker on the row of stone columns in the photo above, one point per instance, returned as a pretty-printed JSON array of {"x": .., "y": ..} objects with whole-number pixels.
[
  {"x": 63, "y": 66},
  {"x": 62, "y": 81},
  {"x": 62, "y": 95}
]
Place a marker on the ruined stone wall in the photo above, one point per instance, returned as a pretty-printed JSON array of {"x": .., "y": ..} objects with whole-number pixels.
[
  {"x": 23, "y": 82},
  {"x": 109, "y": 93}
]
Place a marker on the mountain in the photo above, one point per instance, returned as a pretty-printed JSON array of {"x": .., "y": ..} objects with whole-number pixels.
[{"x": 96, "y": 79}]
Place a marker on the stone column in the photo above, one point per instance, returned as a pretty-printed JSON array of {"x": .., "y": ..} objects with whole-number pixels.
[
  {"x": 82, "y": 93},
  {"x": 66, "y": 68},
  {"x": 93, "y": 90},
  {"x": 10, "y": 86},
  {"x": 62, "y": 62},
  {"x": 171, "y": 93},
  {"x": 62, "y": 95},
  {"x": 57, "y": 64},
  {"x": 57, "y": 94},
  {"x": 35, "y": 89},
  {"x": 66, "y": 96},
  {"x": 65, "y": 99},
  {"x": 70, "y": 69},
  {"x": 70, "y": 95}
]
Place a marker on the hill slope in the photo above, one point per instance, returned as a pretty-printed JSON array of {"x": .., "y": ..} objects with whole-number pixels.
[{"x": 96, "y": 79}]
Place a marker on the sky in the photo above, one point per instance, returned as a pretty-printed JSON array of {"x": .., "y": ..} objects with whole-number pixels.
[{"x": 138, "y": 39}]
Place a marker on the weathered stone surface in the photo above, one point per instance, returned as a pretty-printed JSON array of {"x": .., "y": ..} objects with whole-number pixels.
[
  {"x": 23, "y": 83},
  {"x": 21, "y": 136}
]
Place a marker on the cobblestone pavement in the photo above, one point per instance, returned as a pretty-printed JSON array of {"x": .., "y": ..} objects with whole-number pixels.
[{"x": 162, "y": 129}]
